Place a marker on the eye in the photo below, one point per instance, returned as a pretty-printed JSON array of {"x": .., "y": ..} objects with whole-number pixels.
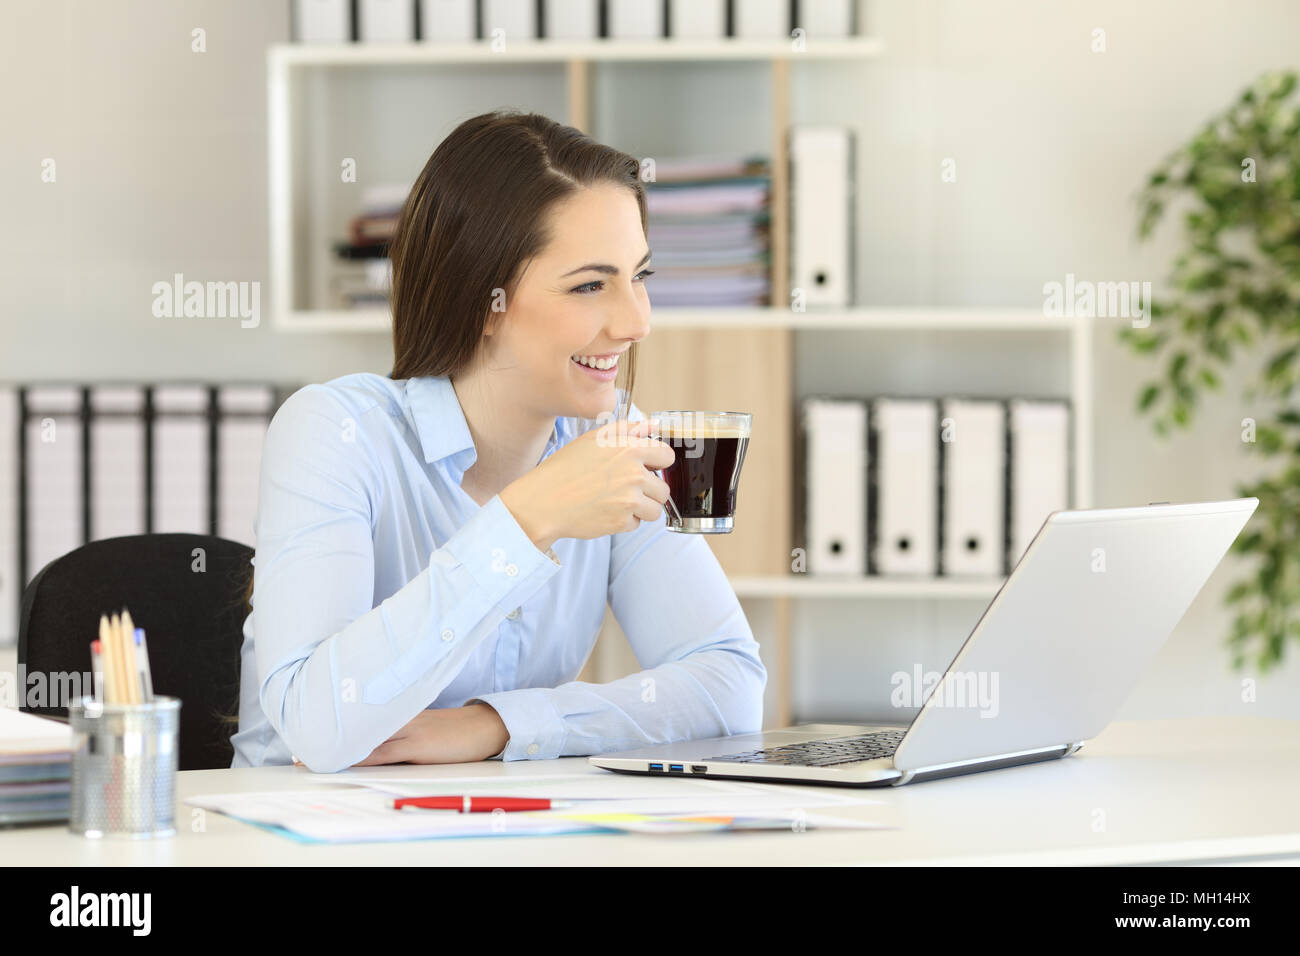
[{"x": 595, "y": 285}]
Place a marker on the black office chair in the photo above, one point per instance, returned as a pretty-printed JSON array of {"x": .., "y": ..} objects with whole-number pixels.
[{"x": 193, "y": 621}]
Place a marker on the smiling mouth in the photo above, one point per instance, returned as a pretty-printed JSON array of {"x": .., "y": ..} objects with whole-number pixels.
[{"x": 600, "y": 363}]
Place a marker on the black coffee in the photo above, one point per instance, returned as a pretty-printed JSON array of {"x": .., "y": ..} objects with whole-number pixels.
[{"x": 703, "y": 477}]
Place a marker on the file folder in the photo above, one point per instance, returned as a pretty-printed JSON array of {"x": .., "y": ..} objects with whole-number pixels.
[
  {"x": 571, "y": 19},
  {"x": 517, "y": 18},
  {"x": 55, "y": 505},
  {"x": 697, "y": 19},
  {"x": 906, "y": 443},
  {"x": 385, "y": 21},
  {"x": 11, "y": 583},
  {"x": 117, "y": 461},
  {"x": 448, "y": 21},
  {"x": 827, "y": 19},
  {"x": 181, "y": 459},
  {"x": 322, "y": 21},
  {"x": 835, "y": 483},
  {"x": 245, "y": 412},
  {"x": 1040, "y": 467},
  {"x": 973, "y": 445},
  {"x": 761, "y": 19},
  {"x": 635, "y": 19},
  {"x": 821, "y": 214}
]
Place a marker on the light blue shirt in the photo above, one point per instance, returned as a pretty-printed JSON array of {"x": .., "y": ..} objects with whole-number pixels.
[{"x": 382, "y": 588}]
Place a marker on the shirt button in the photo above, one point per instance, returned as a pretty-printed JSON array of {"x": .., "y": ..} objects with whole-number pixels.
[
  {"x": 447, "y": 635},
  {"x": 511, "y": 570},
  {"x": 532, "y": 748},
  {"x": 514, "y": 615}
]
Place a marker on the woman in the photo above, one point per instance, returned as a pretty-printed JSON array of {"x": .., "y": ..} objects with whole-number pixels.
[{"x": 435, "y": 549}]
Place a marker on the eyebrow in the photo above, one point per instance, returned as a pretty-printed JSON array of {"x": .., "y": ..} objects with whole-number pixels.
[{"x": 605, "y": 267}]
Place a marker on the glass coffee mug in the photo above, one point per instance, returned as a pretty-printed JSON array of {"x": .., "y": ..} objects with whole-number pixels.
[{"x": 709, "y": 449}]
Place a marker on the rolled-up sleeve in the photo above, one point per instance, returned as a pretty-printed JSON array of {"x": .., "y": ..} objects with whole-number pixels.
[
  {"x": 702, "y": 675},
  {"x": 336, "y": 675}
]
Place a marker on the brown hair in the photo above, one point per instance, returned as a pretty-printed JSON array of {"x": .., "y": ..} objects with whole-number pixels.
[{"x": 474, "y": 218}]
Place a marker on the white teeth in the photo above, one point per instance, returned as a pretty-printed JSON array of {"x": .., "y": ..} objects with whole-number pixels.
[{"x": 598, "y": 363}]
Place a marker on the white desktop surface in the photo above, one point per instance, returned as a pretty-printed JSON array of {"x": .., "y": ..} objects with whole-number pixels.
[{"x": 1203, "y": 790}]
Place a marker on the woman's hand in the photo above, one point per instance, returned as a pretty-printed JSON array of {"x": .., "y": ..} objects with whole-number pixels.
[
  {"x": 445, "y": 735},
  {"x": 600, "y": 483}
]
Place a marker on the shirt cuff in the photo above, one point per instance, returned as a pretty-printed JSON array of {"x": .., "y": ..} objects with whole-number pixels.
[
  {"x": 536, "y": 728},
  {"x": 493, "y": 547}
]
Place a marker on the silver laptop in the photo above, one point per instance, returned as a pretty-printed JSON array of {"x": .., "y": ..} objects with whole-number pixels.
[{"x": 1049, "y": 663}]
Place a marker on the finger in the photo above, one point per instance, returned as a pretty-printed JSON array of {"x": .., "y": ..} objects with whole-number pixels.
[
  {"x": 647, "y": 509},
  {"x": 655, "y": 488},
  {"x": 653, "y": 453}
]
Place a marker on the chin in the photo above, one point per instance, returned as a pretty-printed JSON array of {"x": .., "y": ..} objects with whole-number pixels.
[{"x": 591, "y": 403}]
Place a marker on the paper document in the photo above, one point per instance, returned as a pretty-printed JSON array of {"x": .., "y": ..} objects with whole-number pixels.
[{"x": 335, "y": 815}]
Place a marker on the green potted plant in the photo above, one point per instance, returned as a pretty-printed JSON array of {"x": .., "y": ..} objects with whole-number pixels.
[{"x": 1234, "y": 283}]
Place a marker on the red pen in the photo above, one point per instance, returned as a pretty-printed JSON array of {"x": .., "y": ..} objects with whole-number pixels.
[{"x": 479, "y": 804}]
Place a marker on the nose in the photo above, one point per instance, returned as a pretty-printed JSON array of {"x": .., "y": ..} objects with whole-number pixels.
[{"x": 631, "y": 317}]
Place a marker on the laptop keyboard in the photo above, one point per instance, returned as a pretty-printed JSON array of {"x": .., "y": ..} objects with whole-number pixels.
[{"x": 823, "y": 753}]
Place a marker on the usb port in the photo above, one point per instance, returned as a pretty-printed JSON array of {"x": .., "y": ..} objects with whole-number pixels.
[
  {"x": 675, "y": 768},
  {"x": 657, "y": 766},
  {"x": 698, "y": 768}
]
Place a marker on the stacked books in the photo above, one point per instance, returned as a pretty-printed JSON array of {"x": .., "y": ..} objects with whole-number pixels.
[
  {"x": 364, "y": 274},
  {"x": 35, "y": 766},
  {"x": 709, "y": 228}
]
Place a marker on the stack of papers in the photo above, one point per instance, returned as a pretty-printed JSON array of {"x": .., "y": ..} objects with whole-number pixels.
[
  {"x": 708, "y": 228},
  {"x": 345, "y": 814},
  {"x": 35, "y": 766}
]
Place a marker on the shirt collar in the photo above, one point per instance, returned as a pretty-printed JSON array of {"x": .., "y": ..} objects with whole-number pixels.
[{"x": 441, "y": 427}]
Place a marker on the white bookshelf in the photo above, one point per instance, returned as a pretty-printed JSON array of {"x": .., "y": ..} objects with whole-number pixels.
[{"x": 301, "y": 79}]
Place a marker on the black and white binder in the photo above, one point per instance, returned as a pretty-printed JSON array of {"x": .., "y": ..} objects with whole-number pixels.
[
  {"x": 385, "y": 21},
  {"x": 118, "y": 490},
  {"x": 697, "y": 19},
  {"x": 761, "y": 19},
  {"x": 571, "y": 19},
  {"x": 835, "y": 485},
  {"x": 1040, "y": 467},
  {"x": 826, "y": 19},
  {"x": 53, "y": 454},
  {"x": 181, "y": 458},
  {"x": 517, "y": 19},
  {"x": 634, "y": 19},
  {"x": 322, "y": 21},
  {"x": 907, "y": 479},
  {"x": 244, "y": 412},
  {"x": 821, "y": 215},
  {"x": 11, "y": 583},
  {"x": 973, "y": 444},
  {"x": 448, "y": 21}
]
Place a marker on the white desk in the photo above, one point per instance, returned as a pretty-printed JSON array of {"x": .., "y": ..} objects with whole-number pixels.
[{"x": 1168, "y": 791}]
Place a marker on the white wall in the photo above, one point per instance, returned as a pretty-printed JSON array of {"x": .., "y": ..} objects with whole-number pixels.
[{"x": 161, "y": 168}]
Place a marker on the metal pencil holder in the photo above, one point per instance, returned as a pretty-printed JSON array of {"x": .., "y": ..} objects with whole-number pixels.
[{"x": 124, "y": 768}]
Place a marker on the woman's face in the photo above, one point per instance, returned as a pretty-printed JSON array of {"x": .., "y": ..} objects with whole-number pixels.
[{"x": 583, "y": 296}]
